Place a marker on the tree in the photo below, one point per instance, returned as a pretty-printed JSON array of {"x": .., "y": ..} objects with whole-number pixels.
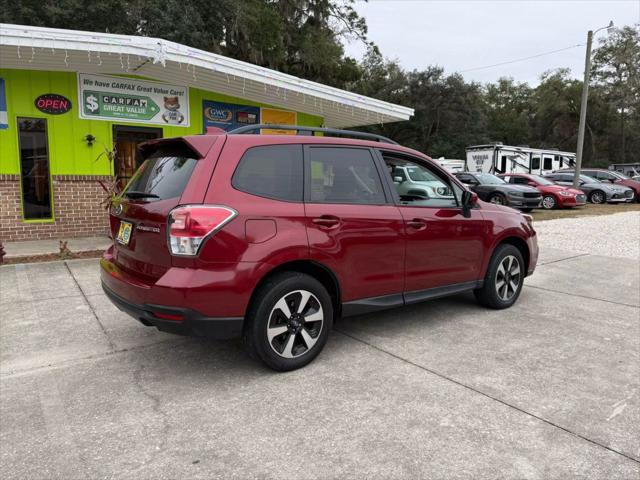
[
  {"x": 300, "y": 37},
  {"x": 616, "y": 70},
  {"x": 448, "y": 111},
  {"x": 508, "y": 110},
  {"x": 556, "y": 111}
]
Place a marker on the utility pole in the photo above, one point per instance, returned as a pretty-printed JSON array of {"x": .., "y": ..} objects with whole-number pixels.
[
  {"x": 583, "y": 105},
  {"x": 583, "y": 110}
]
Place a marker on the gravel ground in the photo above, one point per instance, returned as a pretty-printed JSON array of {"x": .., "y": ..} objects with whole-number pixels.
[{"x": 616, "y": 235}]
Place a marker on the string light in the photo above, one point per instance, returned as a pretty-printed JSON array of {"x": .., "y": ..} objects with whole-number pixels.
[{"x": 277, "y": 84}]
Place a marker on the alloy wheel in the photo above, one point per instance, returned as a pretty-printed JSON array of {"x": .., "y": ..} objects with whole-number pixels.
[
  {"x": 508, "y": 278},
  {"x": 597, "y": 197},
  {"x": 548, "y": 202},
  {"x": 497, "y": 199},
  {"x": 295, "y": 324}
]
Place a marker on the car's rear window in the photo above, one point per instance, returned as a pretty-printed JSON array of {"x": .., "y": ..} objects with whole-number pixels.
[
  {"x": 272, "y": 171},
  {"x": 161, "y": 177}
]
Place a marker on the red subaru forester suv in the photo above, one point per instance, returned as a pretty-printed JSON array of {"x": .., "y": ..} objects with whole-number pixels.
[{"x": 274, "y": 237}]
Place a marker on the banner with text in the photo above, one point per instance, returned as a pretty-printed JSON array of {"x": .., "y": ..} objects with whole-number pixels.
[
  {"x": 278, "y": 117},
  {"x": 228, "y": 116},
  {"x": 115, "y": 98}
]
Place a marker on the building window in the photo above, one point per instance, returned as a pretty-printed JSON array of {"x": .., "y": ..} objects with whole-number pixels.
[{"x": 34, "y": 169}]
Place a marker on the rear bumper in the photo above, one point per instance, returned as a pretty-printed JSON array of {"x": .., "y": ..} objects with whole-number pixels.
[{"x": 191, "y": 322}]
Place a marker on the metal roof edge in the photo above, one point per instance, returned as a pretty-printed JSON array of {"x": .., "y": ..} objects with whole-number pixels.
[{"x": 160, "y": 50}]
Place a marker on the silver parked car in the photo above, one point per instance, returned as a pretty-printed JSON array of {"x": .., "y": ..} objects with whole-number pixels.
[
  {"x": 412, "y": 181},
  {"x": 597, "y": 191}
]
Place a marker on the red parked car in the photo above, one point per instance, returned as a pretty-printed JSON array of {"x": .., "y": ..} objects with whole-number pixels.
[
  {"x": 553, "y": 195},
  {"x": 273, "y": 237}
]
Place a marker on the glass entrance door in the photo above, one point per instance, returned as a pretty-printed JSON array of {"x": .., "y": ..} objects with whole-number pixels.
[{"x": 126, "y": 140}]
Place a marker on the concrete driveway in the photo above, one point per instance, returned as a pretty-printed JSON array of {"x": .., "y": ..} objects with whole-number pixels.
[{"x": 446, "y": 389}]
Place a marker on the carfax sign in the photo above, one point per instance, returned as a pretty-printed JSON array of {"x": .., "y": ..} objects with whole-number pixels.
[{"x": 116, "y": 98}]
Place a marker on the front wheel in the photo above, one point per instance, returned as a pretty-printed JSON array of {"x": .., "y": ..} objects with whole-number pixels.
[
  {"x": 504, "y": 278},
  {"x": 549, "y": 202},
  {"x": 597, "y": 197},
  {"x": 288, "y": 321},
  {"x": 498, "y": 199}
]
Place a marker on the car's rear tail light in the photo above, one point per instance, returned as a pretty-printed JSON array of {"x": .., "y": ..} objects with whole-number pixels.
[{"x": 190, "y": 225}]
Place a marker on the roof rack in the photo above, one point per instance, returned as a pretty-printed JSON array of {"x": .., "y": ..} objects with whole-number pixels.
[{"x": 312, "y": 130}]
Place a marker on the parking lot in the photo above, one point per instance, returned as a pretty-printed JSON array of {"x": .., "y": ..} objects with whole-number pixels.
[{"x": 446, "y": 389}]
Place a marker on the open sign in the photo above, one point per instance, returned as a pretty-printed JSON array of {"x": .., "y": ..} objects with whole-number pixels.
[{"x": 53, "y": 104}]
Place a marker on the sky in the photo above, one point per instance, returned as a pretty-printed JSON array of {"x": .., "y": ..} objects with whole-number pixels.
[{"x": 462, "y": 35}]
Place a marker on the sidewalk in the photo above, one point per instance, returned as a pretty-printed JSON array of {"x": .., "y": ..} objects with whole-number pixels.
[{"x": 47, "y": 248}]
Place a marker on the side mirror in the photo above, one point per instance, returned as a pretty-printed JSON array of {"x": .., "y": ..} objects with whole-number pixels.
[
  {"x": 397, "y": 179},
  {"x": 532, "y": 184},
  {"x": 469, "y": 199}
]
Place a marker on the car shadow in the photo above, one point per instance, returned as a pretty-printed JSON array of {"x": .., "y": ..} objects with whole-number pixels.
[{"x": 200, "y": 359}]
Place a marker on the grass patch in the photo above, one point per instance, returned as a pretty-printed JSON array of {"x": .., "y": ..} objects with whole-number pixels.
[{"x": 587, "y": 211}]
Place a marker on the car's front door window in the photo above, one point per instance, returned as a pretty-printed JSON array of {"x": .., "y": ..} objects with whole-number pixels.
[{"x": 421, "y": 186}]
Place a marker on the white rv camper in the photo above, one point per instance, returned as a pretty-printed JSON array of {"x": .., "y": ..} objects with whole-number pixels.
[{"x": 497, "y": 158}]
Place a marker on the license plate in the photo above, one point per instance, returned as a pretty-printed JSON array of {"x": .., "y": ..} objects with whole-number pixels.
[{"x": 124, "y": 233}]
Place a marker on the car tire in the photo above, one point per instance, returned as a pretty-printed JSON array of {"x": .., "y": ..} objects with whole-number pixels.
[
  {"x": 598, "y": 197},
  {"x": 497, "y": 290},
  {"x": 549, "y": 202},
  {"x": 497, "y": 198},
  {"x": 288, "y": 321}
]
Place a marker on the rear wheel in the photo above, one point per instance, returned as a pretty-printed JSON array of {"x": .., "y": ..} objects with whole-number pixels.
[
  {"x": 498, "y": 199},
  {"x": 549, "y": 202},
  {"x": 597, "y": 197},
  {"x": 288, "y": 321},
  {"x": 504, "y": 278}
]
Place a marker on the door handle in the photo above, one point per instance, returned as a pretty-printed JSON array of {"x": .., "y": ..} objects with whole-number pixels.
[
  {"x": 417, "y": 224},
  {"x": 326, "y": 221}
]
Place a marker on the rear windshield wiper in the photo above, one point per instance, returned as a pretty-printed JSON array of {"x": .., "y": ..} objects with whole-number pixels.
[{"x": 134, "y": 194}]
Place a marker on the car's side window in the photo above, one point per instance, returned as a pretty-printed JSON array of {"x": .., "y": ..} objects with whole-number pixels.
[
  {"x": 272, "y": 171},
  {"x": 519, "y": 180},
  {"x": 419, "y": 185},
  {"x": 343, "y": 175},
  {"x": 466, "y": 179}
]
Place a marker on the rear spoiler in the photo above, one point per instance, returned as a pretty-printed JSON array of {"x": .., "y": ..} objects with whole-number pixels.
[{"x": 190, "y": 146}]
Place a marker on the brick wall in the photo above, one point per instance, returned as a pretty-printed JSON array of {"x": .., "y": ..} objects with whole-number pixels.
[{"x": 77, "y": 209}]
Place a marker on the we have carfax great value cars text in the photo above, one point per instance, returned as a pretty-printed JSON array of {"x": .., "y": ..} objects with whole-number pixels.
[{"x": 274, "y": 237}]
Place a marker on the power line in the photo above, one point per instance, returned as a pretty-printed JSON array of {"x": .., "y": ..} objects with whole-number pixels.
[{"x": 521, "y": 59}]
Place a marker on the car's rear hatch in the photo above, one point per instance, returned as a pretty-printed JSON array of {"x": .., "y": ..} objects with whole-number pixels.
[{"x": 138, "y": 216}]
